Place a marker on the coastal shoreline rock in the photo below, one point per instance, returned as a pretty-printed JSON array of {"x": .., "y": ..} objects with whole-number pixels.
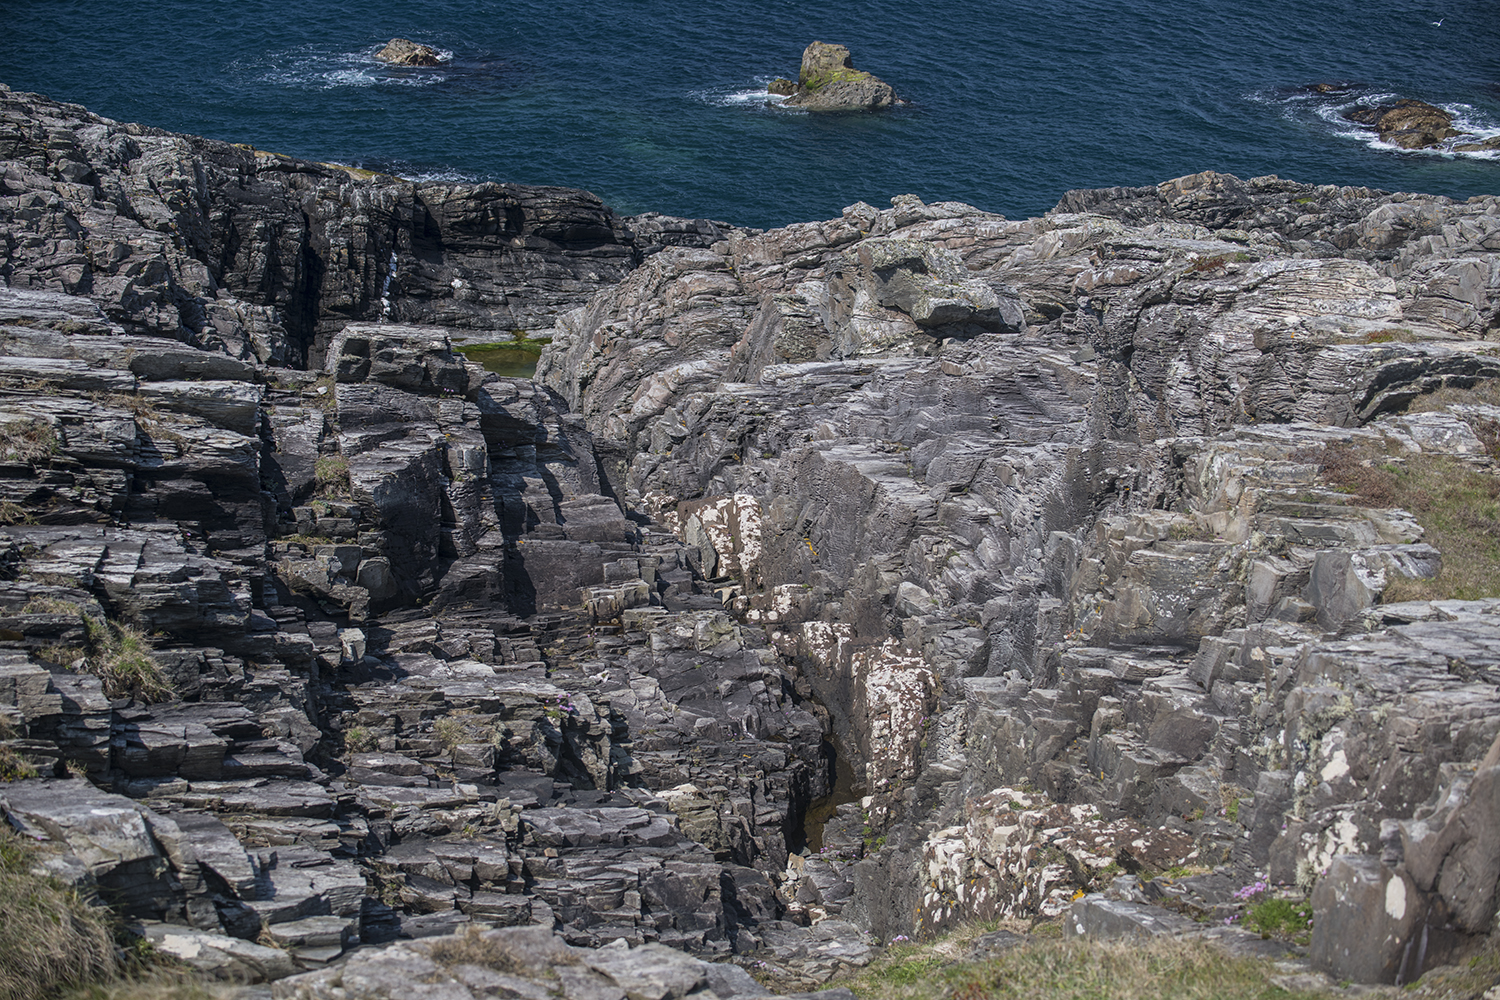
[
  {"x": 845, "y": 581},
  {"x": 1407, "y": 123}
]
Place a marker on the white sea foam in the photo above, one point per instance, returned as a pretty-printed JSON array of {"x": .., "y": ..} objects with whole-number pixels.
[
  {"x": 754, "y": 96},
  {"x": 439, "y": 177},
  {"x": 1331, "y": 108},
  {"x": 757, "y": 96},
  {"x": 309, "y": 69}
]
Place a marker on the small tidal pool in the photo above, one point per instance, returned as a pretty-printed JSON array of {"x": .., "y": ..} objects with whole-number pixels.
[{"x": 516, "y": 359}]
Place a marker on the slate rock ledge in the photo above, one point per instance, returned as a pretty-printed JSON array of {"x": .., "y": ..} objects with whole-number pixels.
[{"x": 828, "y": 584}]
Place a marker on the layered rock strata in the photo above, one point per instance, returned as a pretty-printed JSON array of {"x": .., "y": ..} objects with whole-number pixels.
[
  {"x": 1040, "y": 505},
  {"x": 263, "y": 257},
  {"x": 343, "y": 640}
]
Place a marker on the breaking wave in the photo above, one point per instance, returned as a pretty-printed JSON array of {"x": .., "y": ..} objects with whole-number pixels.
[{"x": 310, "y": 68}]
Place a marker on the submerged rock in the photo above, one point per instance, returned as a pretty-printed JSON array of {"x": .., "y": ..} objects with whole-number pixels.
[
  {"x": 403, "y": 52},
  {"x": 1407, "y": 123}
]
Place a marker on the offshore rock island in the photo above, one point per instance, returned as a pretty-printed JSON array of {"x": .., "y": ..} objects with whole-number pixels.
[{"x": 827, "y": 585}]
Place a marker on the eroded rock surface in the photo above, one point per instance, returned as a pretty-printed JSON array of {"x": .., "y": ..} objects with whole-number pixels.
[
  {"x": 1072, "y": 536},
  {"x": 830, "y": 584}
]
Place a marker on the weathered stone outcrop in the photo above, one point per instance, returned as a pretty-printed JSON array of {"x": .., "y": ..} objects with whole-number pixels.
[
  {"x": 1080, "y": 545},
  {"x": 841, "y": 582},
  {"x": 828, "y": 81},
  {"x": 247, "y": 570},
  {"x": 1406, "y": 123},
  {"x": 263, "y": 257}
]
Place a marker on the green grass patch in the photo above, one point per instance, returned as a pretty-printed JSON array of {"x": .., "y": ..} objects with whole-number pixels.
[
  {"x": 1283, "y": 919},
  {"x": 1066, "y": 969},
  {"x": 331, "y": 476}
]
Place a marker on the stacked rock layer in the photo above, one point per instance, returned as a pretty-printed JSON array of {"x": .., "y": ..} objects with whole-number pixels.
[{"x": 829, "y": 584}]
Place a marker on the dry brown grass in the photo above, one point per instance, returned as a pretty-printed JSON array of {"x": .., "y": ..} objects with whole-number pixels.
[
  {"x": 1486, "y": 392},
  {"x": 158, "y": 984},
  {"x": 491, "y": 950},
  {"x": 49, "y": 606},
  {"x": 13, "y": 767},
  {"x": 27, "y": 441},
  {"x": 1457, "y": 504},
  {"x": 473, "y": 948},
  {"x": 50, "y": 938}
]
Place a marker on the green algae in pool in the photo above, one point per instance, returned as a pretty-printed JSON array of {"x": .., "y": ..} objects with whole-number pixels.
[{"x": 514, "y": 359}]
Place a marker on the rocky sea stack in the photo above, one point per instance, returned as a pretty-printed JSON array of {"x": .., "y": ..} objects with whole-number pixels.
[
  {"x": 829, "y": 82},
  {"x": 1128, "y": 570}
]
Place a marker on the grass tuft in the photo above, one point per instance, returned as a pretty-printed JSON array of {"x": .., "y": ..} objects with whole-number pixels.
[
  {"x": 1457, "y": 504},
  {"x": 13, "y": 767},
  {"x": 120, "y": 657},
  {"x": 491, "y": 950},
  {"x": 1283, "y": 919},
  {"x": 49, "y": 606},
  {"x": 27, "y": 442},
  {"x": 13, "y": 513},
  {"x": 331, "y": 474},
  {"x": 51, "y": 938}
]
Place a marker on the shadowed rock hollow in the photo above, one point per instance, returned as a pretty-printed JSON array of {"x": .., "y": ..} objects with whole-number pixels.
[{"x": 1076, "y": 539}]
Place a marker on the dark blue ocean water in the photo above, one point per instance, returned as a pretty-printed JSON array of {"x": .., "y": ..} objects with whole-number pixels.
[{"x": 657, "y": 106}]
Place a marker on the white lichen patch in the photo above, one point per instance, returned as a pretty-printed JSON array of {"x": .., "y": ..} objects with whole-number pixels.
[
  {"x": 1395, "y": 898},
  {"x": 898, "y": 687},
  {"x": 827, "y": 644},
  {"x": 1337, "y": 766},
  {"x": 778, "y": 605},
  {"x": 727, "y": 532},
  {"x": 1021, "y": 855}
]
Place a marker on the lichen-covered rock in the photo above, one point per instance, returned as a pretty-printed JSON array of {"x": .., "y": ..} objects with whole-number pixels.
[
  {"x": 828, "y": 81},
  {"x": 805, "y": 544}
]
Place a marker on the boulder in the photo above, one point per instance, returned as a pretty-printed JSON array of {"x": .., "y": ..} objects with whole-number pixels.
[
  {"x": 829, "y": 82},
  {"x": 1406, "y": 123},
  {"x": 403, "y": 52},
  {"x": 1365, "y": 916}
]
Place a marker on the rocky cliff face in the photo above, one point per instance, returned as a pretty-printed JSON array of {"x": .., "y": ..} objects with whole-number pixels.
[
  {"x": 1044, "y": 506},
  {"x": 1079, "y": 538},
  {"x": 260, "y": 256}
]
